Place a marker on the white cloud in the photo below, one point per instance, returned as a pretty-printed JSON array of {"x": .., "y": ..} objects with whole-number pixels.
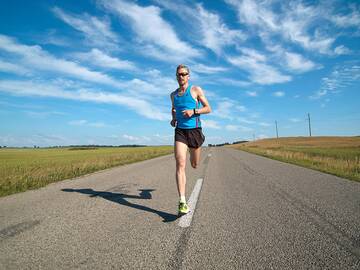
[
  {"x": 45, "y": 89},
  {"x": 77, "y": 122},
  {"x": 231, "y": 128},
  {"x": 341, "y": 77},
  {"x": 296, "y": 22},
  {"x": 53, "y": 37},
  {"x": 156, "y": 35},
  {"x": 279, "y": 94},
  {"x": 210, "y": 124},
  {"x": 98, "y": 32},
  {"x": 156, "y": 139},
  {"x": 240, "y": 108},
  {"x": 293, "y": 62},
  {"x": 200, "y": 68},
  {"x": 130, "y": 138},
  {"x": 263, "y": 124},
  {"x": 207, "y": 28},
  {"x": 223, "y": 110},
  {"x": 87, "y": 123},
  {"x": 262, "y": 136},
  {"x": 162, "y": 139},
  {"x": 244, "y": 120},
  {"x": 237, "y": 128},
  {"x": 233, "y": 82},
  {"x": 295, "y": 120},
  {"x": 255, "y": 64},
  {"x": 135, "y": 139},
  {"x": 253, "y": 13},
  {"x": 157, "y": 84},
  {"x": 257, "y": 56},
  {"x": 35, "y": 57},
  {"x": 252, "y": 93},
  {"x": 348, "y": 20},
  {"x": 215, "y": 34},
  {"x": 101, "y": 59},
  {"x": 227, "y": 109},
  {"x": 29, "y": 140},
  {"x": 340, "y": 50},
  {"x": 298, "y": 63},
  {"x": 295, "y": 28},
  {"x": 13, "y": 68},
  {"x": 42, "y": 114},
  {"x": 97, "y": 124}
]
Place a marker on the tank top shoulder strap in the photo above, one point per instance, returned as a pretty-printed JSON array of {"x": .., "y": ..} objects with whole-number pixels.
[{"x": 188, "y": 89}]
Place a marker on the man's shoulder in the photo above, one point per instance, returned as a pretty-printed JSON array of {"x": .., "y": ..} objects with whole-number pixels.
[
  {"x": 173, "y": 93},
  {"x": 196, "y": 89}
]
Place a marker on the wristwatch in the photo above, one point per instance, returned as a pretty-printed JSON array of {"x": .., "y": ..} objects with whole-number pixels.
[{"x": 196, "y": 112}]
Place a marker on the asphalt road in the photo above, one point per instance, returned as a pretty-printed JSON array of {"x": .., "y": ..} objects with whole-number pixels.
[{"x": 252, "y": 213}]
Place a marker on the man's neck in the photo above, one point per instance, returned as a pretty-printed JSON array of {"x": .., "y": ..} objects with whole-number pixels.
[{"x": 183, "y": 87}]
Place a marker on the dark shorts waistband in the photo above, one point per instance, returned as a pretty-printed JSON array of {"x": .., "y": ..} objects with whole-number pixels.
[{"x": 189, "y": 128}]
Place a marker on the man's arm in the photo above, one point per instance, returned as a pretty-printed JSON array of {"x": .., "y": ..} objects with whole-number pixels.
[
  {"x": 204, "y": 102},
  {"x": 173, "y": 111}
]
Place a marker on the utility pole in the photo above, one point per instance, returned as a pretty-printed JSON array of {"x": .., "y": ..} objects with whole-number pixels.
[
  {"x": 309, "y": 124},
  {"x": 277, "y": 133}
]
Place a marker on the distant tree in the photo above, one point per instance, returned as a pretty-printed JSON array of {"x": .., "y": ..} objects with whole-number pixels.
[{"x": 237, "y": 142}]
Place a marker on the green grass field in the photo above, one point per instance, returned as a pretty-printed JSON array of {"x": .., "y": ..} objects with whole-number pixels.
[
  {"x": 24, "y": 169},
  {"x": 335, "y": 155}
]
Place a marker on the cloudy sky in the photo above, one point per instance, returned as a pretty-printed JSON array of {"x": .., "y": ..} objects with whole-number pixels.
[{"x": 101, "y": 72}]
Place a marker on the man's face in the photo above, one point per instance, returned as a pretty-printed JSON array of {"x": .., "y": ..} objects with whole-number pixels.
[{"x": 182, "y": 76}]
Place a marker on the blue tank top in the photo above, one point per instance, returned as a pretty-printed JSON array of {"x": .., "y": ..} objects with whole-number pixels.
[{"x": 186, "y": 102}]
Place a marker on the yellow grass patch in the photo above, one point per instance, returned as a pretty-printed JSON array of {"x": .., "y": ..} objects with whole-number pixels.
[
  {"x": 23, "y": 169},
  {"x": 336, "y": 155}
]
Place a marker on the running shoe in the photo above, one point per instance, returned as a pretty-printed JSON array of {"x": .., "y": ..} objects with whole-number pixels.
[{"x": 183, "y": 208}]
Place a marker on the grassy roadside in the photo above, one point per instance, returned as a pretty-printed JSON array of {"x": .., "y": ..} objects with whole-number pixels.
[
  {"x": 335, "y": 155},
  {"x": 24, "y": 169}
]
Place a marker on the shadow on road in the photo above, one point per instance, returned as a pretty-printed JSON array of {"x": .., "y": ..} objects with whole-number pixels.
[{"x": 120, "y": 198}]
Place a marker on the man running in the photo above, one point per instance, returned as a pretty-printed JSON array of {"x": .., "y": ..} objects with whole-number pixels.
[{"x": 188, "y": 133}]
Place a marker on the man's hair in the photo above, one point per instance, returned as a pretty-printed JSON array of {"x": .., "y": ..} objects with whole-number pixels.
[{"x": 182, "y": 66}]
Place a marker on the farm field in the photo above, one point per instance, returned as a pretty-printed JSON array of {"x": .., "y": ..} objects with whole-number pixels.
[
  {"x": 24, "y": 169},
  {"x": 335, "y": 155}
]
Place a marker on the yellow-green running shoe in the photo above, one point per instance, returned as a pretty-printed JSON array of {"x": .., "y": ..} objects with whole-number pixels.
[{"x": 183, "y": 208}]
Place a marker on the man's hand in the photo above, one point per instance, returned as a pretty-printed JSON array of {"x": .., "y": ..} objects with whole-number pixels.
[
  {"x": 188, "y": 113},
  {"x": 173, "y": 122}
]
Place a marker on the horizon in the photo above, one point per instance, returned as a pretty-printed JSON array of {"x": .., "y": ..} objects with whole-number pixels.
[
  {"x": 94, "y": 73},
  {"x": 140, "y": 145}
]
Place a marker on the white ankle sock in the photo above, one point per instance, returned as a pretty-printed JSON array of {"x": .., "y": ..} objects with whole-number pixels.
[{"x": 182, "y": 199}]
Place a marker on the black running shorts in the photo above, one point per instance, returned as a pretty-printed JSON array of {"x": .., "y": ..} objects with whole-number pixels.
[{"x": 193, "y": 138}]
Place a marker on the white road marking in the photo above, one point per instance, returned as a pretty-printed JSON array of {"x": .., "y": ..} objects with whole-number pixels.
[{"x": 185, "y": 220}]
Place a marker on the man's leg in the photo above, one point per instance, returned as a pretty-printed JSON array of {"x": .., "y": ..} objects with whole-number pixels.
[
  {"x": 180, "y": 157},
  {"x": 195, "y": 156}
]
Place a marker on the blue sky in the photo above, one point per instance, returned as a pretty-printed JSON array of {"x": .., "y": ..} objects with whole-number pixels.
[{"x": 101, "y": 72}]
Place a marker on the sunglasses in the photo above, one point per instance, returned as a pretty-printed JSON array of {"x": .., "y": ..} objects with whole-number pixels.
[{"x": 182, "y": 74}]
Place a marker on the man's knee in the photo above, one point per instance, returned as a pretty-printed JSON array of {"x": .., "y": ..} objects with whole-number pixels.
[
  {"x": 180, "y": 163},
  {"x": 194, "y": 164}
]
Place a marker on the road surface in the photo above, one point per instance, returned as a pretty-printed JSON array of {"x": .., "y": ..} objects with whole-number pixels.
[{"x": 251, "y": 213}]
